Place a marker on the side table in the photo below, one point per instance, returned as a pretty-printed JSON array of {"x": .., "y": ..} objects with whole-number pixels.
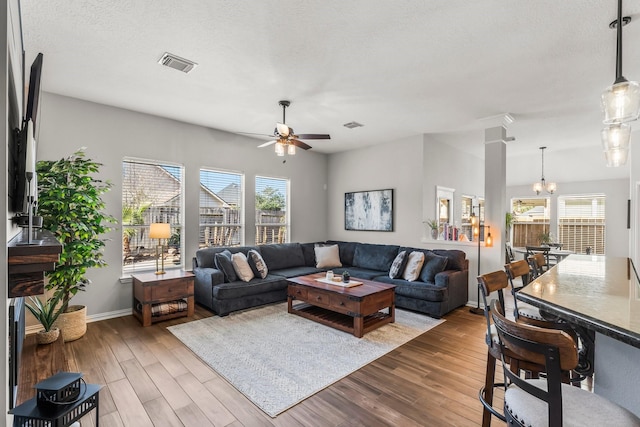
[
  {"x": 29, "y": 414},
  {"x": 151, "y": 288}
]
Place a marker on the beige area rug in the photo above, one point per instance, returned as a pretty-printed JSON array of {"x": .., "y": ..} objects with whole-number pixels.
[{"x": 277, "y": 359}]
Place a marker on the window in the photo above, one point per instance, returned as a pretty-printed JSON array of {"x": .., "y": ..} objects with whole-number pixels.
[
  {"x": 530, "y": 221},
  {"x": 221, "y": 196},
  {"x": 151, "y": 192},
  {"x": 581, "y": 223},
  {"x": 272, "y": 210}
]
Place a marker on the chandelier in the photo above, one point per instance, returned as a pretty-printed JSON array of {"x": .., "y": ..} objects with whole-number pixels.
[
  {"x": 620, "y": 104},
  {"x": 285, "y": 146},
  {"x": 549, "y": 187}
]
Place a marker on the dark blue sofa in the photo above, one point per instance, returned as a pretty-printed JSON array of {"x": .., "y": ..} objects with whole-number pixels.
[{"x": 447, "y": 291}]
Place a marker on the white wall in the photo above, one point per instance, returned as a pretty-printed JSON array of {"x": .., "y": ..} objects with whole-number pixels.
[
  {"x": 617, "y": 194},
  {"x": 111, "y": 133}
]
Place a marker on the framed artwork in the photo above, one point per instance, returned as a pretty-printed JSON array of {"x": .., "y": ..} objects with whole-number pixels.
[{"x": 369, "y": 210}]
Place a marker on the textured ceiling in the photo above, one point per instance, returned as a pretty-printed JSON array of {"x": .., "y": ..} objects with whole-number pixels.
[{"x": 400, "y": 68}]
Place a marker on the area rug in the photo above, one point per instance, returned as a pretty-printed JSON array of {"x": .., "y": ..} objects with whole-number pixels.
[{"x": 277, "y": 359}]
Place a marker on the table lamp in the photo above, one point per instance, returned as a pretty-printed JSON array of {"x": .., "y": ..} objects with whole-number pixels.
[{"x": 160, "y": 230}]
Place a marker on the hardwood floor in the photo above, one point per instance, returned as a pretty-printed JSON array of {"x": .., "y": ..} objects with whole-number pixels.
[{"x": 151, "y": 379}]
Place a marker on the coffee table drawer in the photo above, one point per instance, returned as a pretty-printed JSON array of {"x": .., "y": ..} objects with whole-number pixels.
[
  {"x": 340, "y": 303},
  {"x": 318, "y": 297},
  {"x": 298, "y": 292}
]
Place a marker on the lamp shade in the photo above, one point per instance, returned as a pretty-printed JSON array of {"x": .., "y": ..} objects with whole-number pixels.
[
  {"x": 621, "y": 102},
  {"x": 488, "y": 242},
  {"x": 616, "y": 136},
  {"x": 291, "y": 150},
  {"x": 616, "y": 157},
  {"x": 160, "y": 230},
  {"x": 279, "y": 148}
]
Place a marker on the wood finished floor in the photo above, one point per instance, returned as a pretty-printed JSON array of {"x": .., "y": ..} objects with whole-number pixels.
[{"x": 152, "y": 379}]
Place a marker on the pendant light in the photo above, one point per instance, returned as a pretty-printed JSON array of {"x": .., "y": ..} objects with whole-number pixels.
[
  {"x": 620, "y": 104},
  {"x": 538, "y": 187}
]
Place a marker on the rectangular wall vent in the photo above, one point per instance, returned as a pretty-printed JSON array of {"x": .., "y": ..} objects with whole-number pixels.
[
  {"x": 172, "y": 61},
  {"x": 352, "y": 125}
]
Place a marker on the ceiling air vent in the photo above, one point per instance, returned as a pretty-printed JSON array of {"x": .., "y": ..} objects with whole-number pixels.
[
  {"x": 177, "y": 63},
  {"x": 352, "y": 125}
]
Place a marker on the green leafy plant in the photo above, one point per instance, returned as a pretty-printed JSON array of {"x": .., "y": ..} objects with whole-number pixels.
[
  {"x": 70, "y": 203},
  {"x": 46, "y": 313},
  {"x": 544, "y": 238},
  {"x": 432, "y": 224}
]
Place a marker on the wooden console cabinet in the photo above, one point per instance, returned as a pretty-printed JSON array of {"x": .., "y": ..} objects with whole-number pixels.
[{"x": 149, "y": 289}]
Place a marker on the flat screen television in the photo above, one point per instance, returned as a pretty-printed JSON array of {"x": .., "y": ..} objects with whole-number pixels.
[{"x": 22, "y": 142}]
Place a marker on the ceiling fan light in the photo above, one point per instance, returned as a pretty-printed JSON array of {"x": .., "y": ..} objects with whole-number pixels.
[
  {"x": 621, "y": 102},
  {"x": 279, "y": 149},
  {"x": 616, "y": 136},
  {"x": 291, "y": 150},
  {"x": 616, "y": 157},
  {"x": 282, "y": 130}
]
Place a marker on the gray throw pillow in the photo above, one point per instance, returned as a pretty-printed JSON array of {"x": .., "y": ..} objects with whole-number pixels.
[
  {"x": 398, "y": 265},
  {"x": 257, "y": 264},
  {"x": 433, "y": 264},
  {"x": 224, "y": 264}
]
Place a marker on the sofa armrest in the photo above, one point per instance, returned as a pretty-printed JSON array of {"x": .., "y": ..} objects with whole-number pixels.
[
  {"x": 457, "y": 282},
  {"x": 208, "y": 277}
]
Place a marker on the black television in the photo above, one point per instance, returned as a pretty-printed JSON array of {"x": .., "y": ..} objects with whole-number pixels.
[{"x": 22, "y": 142}]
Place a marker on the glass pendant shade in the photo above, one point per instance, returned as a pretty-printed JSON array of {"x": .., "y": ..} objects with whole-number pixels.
[
  {"x": 537, "y": 187},
  {"x": 489, "y": 240},
  {"x": 279, "y": 149},
  {"x": 615, "y": 143},
  {"x": 616, "y": 157},
  {"x": 291, "y": 150},
  {"x": 621, "y": 102}
]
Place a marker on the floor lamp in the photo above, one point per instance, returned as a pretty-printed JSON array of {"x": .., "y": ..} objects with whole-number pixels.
[{"x": 475, "y": 226}]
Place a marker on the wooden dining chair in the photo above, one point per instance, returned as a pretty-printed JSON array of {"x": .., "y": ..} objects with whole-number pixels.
[
  {"x": 544, "y": 250},
  {"x": 537, "y": 263},
  {"x": 548, "y": 401}
]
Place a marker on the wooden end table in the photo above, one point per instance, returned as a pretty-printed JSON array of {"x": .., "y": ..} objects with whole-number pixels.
[
  {"x": 355, "y": 310},
  {"x": 151, "y": 288}
]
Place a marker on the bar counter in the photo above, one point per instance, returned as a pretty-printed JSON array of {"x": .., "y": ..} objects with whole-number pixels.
[{"x": 602, "y": 295}]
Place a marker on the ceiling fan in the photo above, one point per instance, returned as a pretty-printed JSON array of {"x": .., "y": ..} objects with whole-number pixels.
[{"x": 285, "y": 137}]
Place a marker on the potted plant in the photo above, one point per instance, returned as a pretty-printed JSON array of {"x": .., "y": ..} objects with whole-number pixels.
[
  {"x": 434, "y": 226},
  {"x": 70, "y": 203},
  {"x": 508, "y": 223},
  {"x": 346, "y": 276},
  {"x": 46, "y": 313}
]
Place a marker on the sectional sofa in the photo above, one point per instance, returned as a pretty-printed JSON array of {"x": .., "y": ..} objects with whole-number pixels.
[{"x": 447, "y": 289}]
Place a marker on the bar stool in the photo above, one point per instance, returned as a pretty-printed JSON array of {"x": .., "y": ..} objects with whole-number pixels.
[
  {"x": 496, "y": 281},
  {"x": 547, "y": 401}
]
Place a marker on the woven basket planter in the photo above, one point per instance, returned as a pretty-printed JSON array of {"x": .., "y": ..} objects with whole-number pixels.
[
  {"x": 47, "y": 337},
  {"x": 73, "y": 322}
]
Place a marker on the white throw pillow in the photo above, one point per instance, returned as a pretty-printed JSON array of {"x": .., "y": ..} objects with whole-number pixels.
[
  {"x": 242, "y": 267},
  {"x": 414, "y": 266},
  {"x": 327, "y": 256}
]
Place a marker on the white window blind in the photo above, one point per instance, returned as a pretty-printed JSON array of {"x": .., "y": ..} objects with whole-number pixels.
[
  {"x": 581, "y": 223},
  {"x": 272, "y": 210},
  {"x": 221, "y": 204},
  {"x": 151, "y": 193}
]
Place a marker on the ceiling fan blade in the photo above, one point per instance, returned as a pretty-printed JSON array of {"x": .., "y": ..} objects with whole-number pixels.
[
  {"x": 299, "y": 144},
  {"x": 313, "y": 136},
  {"x": 257, "y": 134},
  {"x": 266, "y": 144},
  {"x": 282, "y": 130}
]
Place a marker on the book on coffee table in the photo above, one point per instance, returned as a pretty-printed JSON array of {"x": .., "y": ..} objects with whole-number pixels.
[{"x": 349, "y": 284}]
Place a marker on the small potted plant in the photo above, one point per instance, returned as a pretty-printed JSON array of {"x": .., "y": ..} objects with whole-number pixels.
[
  {"x": 346, "y": 276},
  {"x": 46, "y": 313},
  {"x": 434, "y": 226}
]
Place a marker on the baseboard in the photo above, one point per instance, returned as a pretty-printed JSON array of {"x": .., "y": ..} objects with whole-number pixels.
[{"x": 92, "y": 318}]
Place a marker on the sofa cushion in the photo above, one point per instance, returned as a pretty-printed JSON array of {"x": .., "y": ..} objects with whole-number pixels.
[
  {"x": 347, "y": 250},
  {"x": 456, "y": 258},
  {"x": 282, "y": 255},
  {"x": 309, "y": 253},
  {"x": 398, "y": 265},
  {"x": 433, "y": 264},
  {"x": 327, "y": 256},
  {"x": 359, "y": 273},
  {"x": 374, "y": 257},
  {"x": 414, "y": 266},
  {"x": 241, "y": 266},
  {"x": 303, "y": 270},
  {"x": 255, "y": 286},
  {"x": 257, "y": 264},
  {"x": 224, "y": 264},
  {"x": 416, "y": 290}
]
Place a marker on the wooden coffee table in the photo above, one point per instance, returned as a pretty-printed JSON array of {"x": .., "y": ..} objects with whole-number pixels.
[{"x": 355, "y": 310}]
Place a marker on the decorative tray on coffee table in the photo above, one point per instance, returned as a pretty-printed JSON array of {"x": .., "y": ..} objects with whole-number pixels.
[{"x": 337, "y": 281}]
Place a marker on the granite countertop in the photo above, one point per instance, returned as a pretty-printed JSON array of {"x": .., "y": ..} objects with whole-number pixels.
[{"x": 597, "y": 292}]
